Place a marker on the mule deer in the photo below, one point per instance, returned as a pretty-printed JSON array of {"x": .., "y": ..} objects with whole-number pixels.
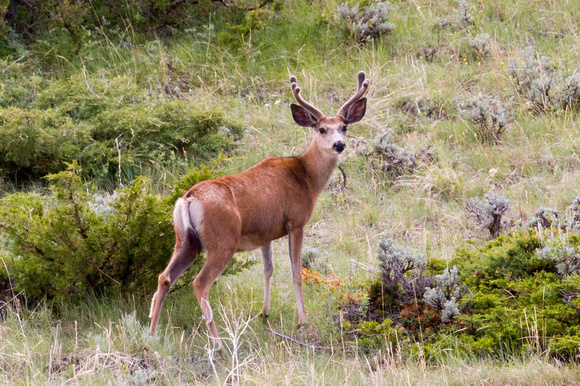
[{"x": 249, "y": 210}]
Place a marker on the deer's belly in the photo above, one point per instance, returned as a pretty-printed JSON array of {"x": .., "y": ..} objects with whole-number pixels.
[{"x": 249, "y": 243}]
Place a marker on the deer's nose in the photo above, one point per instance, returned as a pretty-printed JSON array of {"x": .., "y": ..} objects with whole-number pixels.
[{"x": 338, "y": 146}]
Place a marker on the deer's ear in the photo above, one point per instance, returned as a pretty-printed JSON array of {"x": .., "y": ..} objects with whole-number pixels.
[
  {"x": 356, "y": 111},
  {"x": 302, "y": 116}
]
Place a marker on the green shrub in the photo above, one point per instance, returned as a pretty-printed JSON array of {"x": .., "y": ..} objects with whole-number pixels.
[
  {"x": 72, "y": 243},
  {"x": 75, "y": 17},
  {"x": 117, "y": 126},
  {"x": 520, "y": 302},
  {"x": 527, "y": 313},
  {"x": 507, "y": 258},
  {"x": 374, "y": 335}
]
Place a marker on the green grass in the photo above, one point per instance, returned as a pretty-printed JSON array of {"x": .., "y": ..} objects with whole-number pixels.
[{"x": 535, "y": 164}]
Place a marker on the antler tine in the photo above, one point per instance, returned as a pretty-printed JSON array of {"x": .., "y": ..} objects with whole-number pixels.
[
  {"x": 296, "y": 91},
  {"x": 363, "y": 86}
]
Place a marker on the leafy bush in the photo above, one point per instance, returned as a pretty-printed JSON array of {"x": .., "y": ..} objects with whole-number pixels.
[
  {"x": 519, "y": 301},
  {"x": 3, "y": 24},
  {"x": 367, "y": 23},
  {"x": 117, "y": 126},
  {"x": 37, "y": 17},
  {"x": 72, "y": 246},
  {"x": 373, "y": 335},
  {"x": 488, "y": 213},
  {"x": 447, "y": 294},
  {"x": 72, "y": 243},
  {"x": 489, "y": 117},
  {"x": 509, "y": 257},
  {"x": 527, "y": 313}
]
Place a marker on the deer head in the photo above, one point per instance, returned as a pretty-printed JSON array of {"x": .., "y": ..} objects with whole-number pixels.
[{"x": 330, "y": 131}]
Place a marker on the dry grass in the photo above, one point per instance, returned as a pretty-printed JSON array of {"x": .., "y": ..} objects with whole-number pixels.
[{"x": 38, "y": 350}]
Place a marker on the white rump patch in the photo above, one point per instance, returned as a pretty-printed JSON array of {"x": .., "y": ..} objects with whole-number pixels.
[
  {"x": 195, "y": 212},
  {"x": 180, "y": 215}
]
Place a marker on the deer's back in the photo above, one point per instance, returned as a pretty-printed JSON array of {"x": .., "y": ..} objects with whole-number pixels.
[{"x": 259, "y": 204}]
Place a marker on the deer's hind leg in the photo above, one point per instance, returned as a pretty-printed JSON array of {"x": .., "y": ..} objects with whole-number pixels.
[
  {"x": 183, "y": 257},
  {"x": 217, "y": 260}
]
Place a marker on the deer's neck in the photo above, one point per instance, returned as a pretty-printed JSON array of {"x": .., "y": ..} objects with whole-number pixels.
[{"x": 319, "y": 166}]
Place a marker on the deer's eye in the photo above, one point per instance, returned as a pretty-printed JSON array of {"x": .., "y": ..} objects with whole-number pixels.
[{"x": 322, "y": 131}]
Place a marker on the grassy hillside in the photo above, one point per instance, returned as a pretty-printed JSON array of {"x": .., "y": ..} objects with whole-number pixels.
[{"x": 465, "y": 99}]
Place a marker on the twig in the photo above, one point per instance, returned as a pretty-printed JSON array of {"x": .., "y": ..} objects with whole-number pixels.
[
  {"x": 344, "y": 177},
  {"x": 362, "y": 266},
  {"x": 14, "y": 62},
  {"x": 294, "y": 340},
  {"x": 119, "y": 151},
  {"x": 87, "y": 83}
]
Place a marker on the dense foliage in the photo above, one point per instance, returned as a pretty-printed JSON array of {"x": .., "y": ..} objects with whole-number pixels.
[
  {"x": 75, "y": 242},
  {"x": 112, "y": 126},
  {"x": 69, "y": 19},
  {"x": 521, "y": 297}
]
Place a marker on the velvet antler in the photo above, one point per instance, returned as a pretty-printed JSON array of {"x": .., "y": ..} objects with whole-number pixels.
[
  {"x": 363, "y": 86},
  {"x": 296, "y": 91}
]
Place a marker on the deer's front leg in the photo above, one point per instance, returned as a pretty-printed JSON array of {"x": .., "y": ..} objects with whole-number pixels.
[
  {"x": 295, "y": 238},
  {"x": 268, "y": 270}
]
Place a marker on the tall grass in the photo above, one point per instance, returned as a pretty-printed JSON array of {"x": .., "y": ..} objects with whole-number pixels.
[{"x": 103, "y": 341}]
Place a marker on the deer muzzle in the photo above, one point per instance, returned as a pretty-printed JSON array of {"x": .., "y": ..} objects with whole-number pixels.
[{"x": 338, "y": 147}]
